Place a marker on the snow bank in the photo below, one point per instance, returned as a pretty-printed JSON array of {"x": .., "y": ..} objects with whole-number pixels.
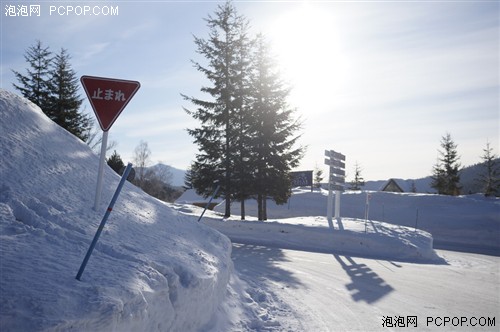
[
  {"x": 191, "y": 197},
  {"x": 349, "y": 237},
  {"x": 468, "y": 223},
  {"x": 153, "y": 269}
]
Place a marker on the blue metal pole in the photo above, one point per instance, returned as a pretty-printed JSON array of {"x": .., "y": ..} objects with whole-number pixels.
[
  {"x": 103, "y": 221},
  {"x": 209, "y": 201}
]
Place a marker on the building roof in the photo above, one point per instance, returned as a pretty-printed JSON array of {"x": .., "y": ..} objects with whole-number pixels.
[{"x": 392, "y": 186}]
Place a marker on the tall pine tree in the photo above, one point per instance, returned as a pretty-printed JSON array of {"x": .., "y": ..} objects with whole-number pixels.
[
  {"x": 248, "y": 134},
  {"x": 318, "y": 177},
  {"x": 243, "y": 168},
  {"x": 35, "y": 85},
  {"x": 217, "y": 137},
  {"x": 446, "y": 177},
  {"x": 358, "y": 180},
  {"x": 490, "y": 179},
  {"x": 273, "y": 131},
  {"x": 52, "y": 85},
  {"x": 64, "y": 99}
]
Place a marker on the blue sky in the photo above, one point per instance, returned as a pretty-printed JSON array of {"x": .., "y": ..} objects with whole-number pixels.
[{"x": 379, "y": 81}]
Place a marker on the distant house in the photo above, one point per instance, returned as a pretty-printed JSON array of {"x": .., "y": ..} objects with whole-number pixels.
[{"x": 392, "y": 186}]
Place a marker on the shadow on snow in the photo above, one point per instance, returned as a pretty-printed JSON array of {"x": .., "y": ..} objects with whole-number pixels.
[{"x": 365, "y": 284}]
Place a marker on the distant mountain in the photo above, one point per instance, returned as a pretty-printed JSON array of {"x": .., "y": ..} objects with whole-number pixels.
[
  {"x": 177, "y": 179},
  {"x": 468, "y": 177}
]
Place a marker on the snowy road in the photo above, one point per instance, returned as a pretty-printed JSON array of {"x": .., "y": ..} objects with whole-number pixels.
[{"x": 327, "y": 292}]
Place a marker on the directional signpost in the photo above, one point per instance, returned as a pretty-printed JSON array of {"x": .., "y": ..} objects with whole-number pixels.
[
  {"x": 108, "y": 97},
  {"x": 336, "y": 182}
]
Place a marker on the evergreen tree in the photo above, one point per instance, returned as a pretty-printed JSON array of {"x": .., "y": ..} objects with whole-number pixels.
[
  {"x": 35, "y": 85},
  {"x": 242, "y": 153},
  {"x": 188, "y": 179},
  {"x": 446, "y": 177},
  {"x": 217, "y": 136},
  {"x": 358, "y": 180},
  {"x": 116, "y": 162},
  {"x": 52, "y": 85},
  {"x": 246, "y": 139},
  {"x": 318, "y": 177},
  {"x": 273, "y": 131},
  {"x": 490, "y": 178},
  {"x": 438, "y": 178},
  {"x": 64, "y": 99}
]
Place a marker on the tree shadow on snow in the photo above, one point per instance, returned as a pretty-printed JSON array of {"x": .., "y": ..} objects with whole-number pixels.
[
  {"x": 260, "y": 262},
  {"x": 365, "y": 284}
]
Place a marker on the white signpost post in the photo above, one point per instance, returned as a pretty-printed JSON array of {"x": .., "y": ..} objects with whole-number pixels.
[
  {"x": 336, "y": 182},
  {"x": 108, "y": 97}
]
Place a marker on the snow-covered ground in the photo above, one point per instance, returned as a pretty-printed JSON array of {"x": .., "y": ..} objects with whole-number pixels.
[
  {"x": 155, "y": 268},
  {"x": 304, "y": 291},
  {"x": 470, "y": 222},
  {"x": 366, "y": 238}
]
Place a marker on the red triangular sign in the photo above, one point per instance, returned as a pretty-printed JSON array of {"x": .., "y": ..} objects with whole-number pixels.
[{"x": 108, "y": 97}]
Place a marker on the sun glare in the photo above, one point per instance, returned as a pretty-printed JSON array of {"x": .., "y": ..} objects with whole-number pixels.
[{"x": 305, "y": 41}]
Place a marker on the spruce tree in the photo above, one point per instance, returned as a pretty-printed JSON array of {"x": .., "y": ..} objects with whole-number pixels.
[
  {"x": 64, "y": 99},
  {"x": 52, "y": 85},
  {"x": 490, "y": 179},
  {"x": 188, "y": 179},
  {"x": 243, "y": 167},
  {"x": 318, "y": 177},
  {"x": 438, "y": 178},
  {"x": 35, "y": 85},
  {"x": 358, "y": 180},
  {"x": 115, "y": 162},
  {"x": 217, "y": 136},
  {"x": 446, "y": 177},
  {"x": 273, "y": 131}
]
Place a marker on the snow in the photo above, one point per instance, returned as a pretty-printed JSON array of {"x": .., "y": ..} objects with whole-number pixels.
[
  {"x": 323, "y": 292},
  {"x": 348, "y": 236},
  {"x": 469, "y": 222},
  {"x": 156, "y": 269},
  {"x": 190, "y": 196},
  {"x": 153, "y": 269}
]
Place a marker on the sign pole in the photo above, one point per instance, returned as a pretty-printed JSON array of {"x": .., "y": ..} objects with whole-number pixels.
[
  {"x": 337, "y": 204},
  {"x": 336, "y": 161},
  {"x": 329, "y": 207},
  {"x": 210, "y": 200},
  {"x": 103, "y": 221},
  {"x": 108, "y": 97},
  {"x": 102, "y": 160}
]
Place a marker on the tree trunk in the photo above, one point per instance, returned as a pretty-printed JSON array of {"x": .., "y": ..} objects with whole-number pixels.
[
  {"x": 264, "y": 207},
  {"x": 242, "y": 204},
  {"x": 228, "y": 207},
  {"x": 259, "y": 207}
]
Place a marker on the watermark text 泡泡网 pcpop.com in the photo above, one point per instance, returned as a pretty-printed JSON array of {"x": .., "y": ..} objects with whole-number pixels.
[
  {"x": 438, "y": 321},
  {"x": 83, "y": 10},
  {"x": 15, "y": 10}
]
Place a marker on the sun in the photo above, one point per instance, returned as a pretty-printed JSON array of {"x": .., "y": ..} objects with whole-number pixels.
[{"x": 307, "y": 46}]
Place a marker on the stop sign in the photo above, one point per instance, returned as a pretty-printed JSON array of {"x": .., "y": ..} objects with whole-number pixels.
[{"x": 108, "y": 97}]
